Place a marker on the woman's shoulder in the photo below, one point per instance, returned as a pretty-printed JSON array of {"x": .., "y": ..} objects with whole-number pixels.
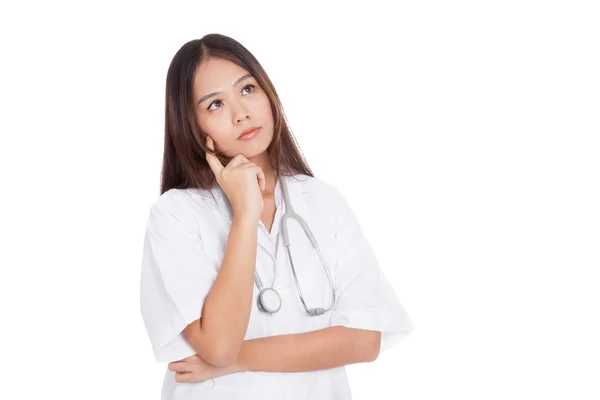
[
  {"x": 171, "y": 199},
  {"x": 179, "y": 202},
  {"x": 319, "y": 189}
]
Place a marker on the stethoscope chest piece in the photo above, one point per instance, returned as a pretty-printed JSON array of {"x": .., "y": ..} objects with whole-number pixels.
[{"x": 269, "y": 300}]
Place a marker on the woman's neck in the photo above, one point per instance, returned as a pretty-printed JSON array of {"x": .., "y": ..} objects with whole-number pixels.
[{"x": 263, "y": 162}]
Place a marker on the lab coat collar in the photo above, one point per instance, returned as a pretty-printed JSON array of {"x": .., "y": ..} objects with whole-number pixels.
[
  {"x": 265, "y": 239},
  {"x": 298, "y": 190}
]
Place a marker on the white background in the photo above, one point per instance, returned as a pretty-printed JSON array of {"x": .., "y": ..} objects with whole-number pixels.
[{"x": 464, "y": 134}]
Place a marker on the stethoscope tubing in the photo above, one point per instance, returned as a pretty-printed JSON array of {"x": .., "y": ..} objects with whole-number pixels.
[{"x": 291, "y": 214}]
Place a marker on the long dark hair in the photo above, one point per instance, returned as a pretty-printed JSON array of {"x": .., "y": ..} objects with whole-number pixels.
[{"x": 184, "y": 160}]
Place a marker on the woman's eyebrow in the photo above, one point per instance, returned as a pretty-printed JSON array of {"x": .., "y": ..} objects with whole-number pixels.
[{"x": 203, "y": 98}]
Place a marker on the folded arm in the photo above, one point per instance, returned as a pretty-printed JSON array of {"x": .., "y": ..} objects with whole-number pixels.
[{"x": 321, "y": 349}]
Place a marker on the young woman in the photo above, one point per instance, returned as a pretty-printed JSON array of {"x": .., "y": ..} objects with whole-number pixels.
[{"x": 241, "y": 301}]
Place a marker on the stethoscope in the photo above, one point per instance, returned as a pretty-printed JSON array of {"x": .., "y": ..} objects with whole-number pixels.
[{"x": 268, "y": 299}]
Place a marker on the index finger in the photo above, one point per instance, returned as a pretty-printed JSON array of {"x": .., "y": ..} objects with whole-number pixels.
[
  {"x": 213, "y": 161},
  {"x": 178, "y": 366}
]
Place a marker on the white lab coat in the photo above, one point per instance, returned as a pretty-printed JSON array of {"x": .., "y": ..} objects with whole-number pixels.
[{"x": 184, "y": 245}]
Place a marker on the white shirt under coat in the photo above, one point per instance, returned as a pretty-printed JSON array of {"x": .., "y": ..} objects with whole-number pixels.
[{"x": 185, "y": 241}]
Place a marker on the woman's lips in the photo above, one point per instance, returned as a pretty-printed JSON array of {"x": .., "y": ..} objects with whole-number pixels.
[{"x": 249, "y": 135}]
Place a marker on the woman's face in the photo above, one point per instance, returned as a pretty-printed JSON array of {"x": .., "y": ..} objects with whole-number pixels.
[{"x": 227, "y": 105}]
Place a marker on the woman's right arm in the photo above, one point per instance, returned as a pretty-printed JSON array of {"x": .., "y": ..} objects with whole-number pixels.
[{"x": 218, "y": 336}]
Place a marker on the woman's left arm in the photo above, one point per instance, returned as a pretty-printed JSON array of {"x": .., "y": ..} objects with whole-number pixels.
[
  {"x": 321, "y": 349},
  {"x": 298, "y": 352}
]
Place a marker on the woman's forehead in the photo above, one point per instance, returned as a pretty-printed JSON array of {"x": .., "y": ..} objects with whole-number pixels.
[{"x": 216, "y": 75}]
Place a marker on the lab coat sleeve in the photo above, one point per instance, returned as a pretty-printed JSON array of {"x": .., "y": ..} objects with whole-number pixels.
[
  {"x": 365, "y": 298},
  {"x": 177, "y": 275}
]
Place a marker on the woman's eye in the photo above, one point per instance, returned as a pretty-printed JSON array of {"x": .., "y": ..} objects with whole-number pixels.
[
  {"x": 219, "y": 101},
  {"x": 252, "y": 86},
  {"x": 216, "y": 101}
]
